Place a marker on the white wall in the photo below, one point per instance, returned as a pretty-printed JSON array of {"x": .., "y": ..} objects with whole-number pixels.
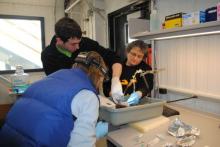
[
  {"x": 95, "y": 24},
  {"x": 51, "y": 10},
  {"x": 80, "y": 13},
  {"x": 191, "y": 65},
  {"x": 100, "y": 23},
  {"x": 91, "y": 16}
]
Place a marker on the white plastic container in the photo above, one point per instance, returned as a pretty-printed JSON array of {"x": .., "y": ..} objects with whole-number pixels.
[
  {"x": 19, "y": 80},
  {"x": 154, "y": 21},
  {"x": 148, "y": 108}
]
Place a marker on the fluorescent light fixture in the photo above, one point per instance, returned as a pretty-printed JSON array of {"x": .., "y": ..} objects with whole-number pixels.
[{"x": 188, "y": 35}]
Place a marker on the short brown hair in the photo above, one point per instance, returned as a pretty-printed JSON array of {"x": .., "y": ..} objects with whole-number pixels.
[
  {"x": 66, "y": 28},
  {"x": 140, "y": 44}
]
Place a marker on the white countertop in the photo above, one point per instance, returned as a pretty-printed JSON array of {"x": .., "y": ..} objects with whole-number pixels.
[{"x": 209, "y": 126}]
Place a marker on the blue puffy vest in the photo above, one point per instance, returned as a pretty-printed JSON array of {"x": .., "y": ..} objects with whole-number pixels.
[{"x": 42, "y": 117}]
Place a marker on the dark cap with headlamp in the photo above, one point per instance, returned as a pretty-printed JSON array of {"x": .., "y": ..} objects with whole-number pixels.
[{"x": 87, "y": 59}]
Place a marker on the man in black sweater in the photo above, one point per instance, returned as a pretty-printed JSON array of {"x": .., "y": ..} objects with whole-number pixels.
[{"x": 68, "y": 43}]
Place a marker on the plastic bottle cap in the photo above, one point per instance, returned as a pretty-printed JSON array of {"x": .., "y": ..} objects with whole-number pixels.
[{"x": 19, "y": 69}]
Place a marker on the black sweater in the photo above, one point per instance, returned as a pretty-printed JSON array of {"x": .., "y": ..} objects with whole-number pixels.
[
  {"x": 53, "y": 60},
  {"x": 140, "y": 85}
]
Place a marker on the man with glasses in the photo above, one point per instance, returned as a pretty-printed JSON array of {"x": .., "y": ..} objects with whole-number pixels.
[{"x": 134, "y": 84}]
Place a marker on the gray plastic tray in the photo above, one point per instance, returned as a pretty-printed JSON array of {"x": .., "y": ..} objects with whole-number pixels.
[{"x": 148, "y": 108}]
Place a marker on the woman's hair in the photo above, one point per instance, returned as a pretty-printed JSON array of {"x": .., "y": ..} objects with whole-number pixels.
[
  {"x": 140, "y": 44},
  {"x": 67, "y": 28},
  {"x": 93, "y": 64}
]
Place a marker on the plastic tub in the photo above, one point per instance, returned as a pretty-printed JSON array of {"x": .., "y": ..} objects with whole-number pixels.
[{"x": 148, "y": 108}]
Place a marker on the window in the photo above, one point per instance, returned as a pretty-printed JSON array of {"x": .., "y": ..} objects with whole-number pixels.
[{"x": 21, "y": 42}]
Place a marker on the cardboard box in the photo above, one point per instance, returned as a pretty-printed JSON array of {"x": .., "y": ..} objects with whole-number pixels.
[
  {"x": 199, "y": 17},
  {"x": 173, "y": 21},
  {"x": 193, "y": 18},
  {"x": 188, "y": 19},
  {"x": 173, "y": 16},
  {"x": 211, "y": 14}
]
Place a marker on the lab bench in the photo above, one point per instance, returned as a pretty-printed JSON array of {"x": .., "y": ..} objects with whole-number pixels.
[{"x": 209, "y": 125}]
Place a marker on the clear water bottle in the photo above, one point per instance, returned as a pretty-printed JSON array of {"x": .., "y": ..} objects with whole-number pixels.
[{"x": 19, "y": 80}]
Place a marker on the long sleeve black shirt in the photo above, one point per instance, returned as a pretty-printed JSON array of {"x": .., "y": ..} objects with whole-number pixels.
[
  {"x": 127, "y": 72},
  {"x": 141, "y": 85},
  {"x": 53, "y": 60}
]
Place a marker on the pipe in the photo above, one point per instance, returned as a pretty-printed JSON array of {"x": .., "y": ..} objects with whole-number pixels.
[
  {"x": 71, "y": 6},
  {"x": 192, "y": 97}
]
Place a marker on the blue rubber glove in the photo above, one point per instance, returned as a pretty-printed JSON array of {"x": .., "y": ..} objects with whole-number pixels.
[
  {"x": 134, "y": 98},
  {"x": 101, "y": 129}
]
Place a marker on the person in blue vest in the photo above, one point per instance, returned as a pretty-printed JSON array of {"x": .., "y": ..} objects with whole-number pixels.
[{"x": 60, "y": 110}]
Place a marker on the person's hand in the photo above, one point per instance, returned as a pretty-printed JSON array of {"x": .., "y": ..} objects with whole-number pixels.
[
  {"x": 134, "y": 98},
  {"x": 101, "y": 129},
  {"x": 116, "y": 90}
]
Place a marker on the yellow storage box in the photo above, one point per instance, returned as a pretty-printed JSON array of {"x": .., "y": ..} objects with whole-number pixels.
[{"x": 173, "y": 21}]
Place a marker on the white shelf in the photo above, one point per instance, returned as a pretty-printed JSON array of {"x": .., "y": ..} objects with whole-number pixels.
[{"x": 193, "y": 30}]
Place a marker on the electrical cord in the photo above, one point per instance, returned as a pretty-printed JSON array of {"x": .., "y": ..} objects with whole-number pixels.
[{"x": 194, "y": 96}]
